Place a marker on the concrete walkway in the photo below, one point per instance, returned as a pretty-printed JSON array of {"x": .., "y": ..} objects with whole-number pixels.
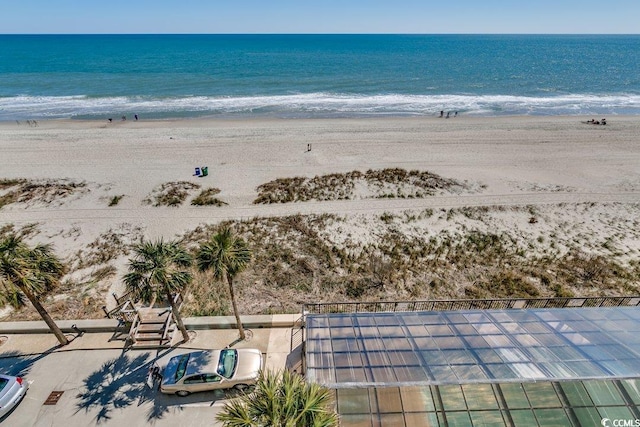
[{"x": 104, "y": 383}]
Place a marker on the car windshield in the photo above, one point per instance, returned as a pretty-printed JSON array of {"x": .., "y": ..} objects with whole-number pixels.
[
  {"x": 227, "y": 363},
  {"x": 182, "y": 366},
  {"x": 3, "y": 383}
]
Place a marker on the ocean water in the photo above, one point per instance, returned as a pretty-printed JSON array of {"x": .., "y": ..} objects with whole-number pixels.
[{"x": 173, "y": 76}]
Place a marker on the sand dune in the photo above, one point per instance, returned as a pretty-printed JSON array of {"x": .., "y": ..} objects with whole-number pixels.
[{"x": 509, "y": 161}]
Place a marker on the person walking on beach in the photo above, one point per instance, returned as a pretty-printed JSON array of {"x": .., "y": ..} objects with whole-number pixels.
[{"x": 135, "y": 116}]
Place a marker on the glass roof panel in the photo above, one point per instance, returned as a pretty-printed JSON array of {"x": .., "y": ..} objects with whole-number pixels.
[
  {"x": 469, "y": 346},
  {"x": 552, "y": 417},
  {"x": 480, "y": 396},
  {"x": 515, "y": 396},
  {"x": 604, "y": 393},
  {"x": 487, "y": 418},
  {"x": 389, "y": 400},
  {"x": 417, "y": 399},
  {"x": 523, "y": 417},
  {"x": 632, "y": 387},
  {"x": 588, "y": 416},
  {"x": 452, "y": 398}
]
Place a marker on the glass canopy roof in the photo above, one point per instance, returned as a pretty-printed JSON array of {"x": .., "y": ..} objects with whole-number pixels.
[
  {"x": 476, "y": 346},
  {"x": 532, "y": 367}
]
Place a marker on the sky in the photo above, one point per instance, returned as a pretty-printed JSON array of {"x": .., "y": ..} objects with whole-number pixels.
[{"x": 319, "y": 16}]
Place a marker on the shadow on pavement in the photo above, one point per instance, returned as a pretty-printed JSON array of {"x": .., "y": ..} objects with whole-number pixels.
[
  {"x": 118, "y": 383},
  {"x": 18, "y": 364},
  {"x": 123, "y": 382}
]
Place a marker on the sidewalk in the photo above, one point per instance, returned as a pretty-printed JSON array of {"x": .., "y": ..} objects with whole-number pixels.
[{"x": 104, "y": 382}]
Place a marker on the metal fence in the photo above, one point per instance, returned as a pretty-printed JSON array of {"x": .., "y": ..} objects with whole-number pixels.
[{"x": 475, "y": 304}]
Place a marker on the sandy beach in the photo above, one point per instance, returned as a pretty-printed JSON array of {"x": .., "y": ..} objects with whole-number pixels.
[{"x": 583, "y": 179}]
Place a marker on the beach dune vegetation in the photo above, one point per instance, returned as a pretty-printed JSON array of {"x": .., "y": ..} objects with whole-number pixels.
[{"x": 381, "y": 183}]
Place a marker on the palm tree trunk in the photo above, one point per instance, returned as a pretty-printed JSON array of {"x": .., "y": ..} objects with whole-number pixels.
[
  {"x": 176, "y": 315},
  {"x": 46, "y": 317},
  {"x": 235, "y": 308}
]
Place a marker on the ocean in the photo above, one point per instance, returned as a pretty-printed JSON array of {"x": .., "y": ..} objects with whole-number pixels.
[{"x": 308, "y": 76}]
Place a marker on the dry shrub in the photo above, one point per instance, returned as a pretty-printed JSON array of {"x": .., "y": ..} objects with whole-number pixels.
[
  {"x": 171, "y": 193},
  {"x": 42, "y": 191},
  {"x": 107, "y": 246},
  {"x": 503, "y": 284},
  {"x": 205, "y": 198},
  {"x": 391, "y": 182}
]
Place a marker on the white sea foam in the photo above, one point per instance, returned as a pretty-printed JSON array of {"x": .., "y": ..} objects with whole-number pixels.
[{"x": 313, "y": 105}]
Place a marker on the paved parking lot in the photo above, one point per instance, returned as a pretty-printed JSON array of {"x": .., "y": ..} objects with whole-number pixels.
[{"x": 103, "y": 384}]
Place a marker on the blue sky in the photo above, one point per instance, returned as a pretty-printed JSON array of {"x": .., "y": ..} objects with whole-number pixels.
[{"x": 319, "y": 16}]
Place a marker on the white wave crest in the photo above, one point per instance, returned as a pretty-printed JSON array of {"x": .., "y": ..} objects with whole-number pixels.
[{"x": 313, "y": 104}]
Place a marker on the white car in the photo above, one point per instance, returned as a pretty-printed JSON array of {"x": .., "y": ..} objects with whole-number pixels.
[
  {"x": 12, "y": 390},
  {"x": 210, "y": 370}
]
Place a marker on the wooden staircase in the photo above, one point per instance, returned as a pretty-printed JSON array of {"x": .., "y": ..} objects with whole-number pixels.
[{"x": 152, "y": 328}]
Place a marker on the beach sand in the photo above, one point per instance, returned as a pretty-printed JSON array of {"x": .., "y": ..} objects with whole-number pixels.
[{"x": 548, "y": 162}]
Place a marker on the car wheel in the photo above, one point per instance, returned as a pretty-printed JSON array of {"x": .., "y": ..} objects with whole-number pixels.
[
  {"x": 240, "y": 387},
  {"x": 183, "y": 393}
]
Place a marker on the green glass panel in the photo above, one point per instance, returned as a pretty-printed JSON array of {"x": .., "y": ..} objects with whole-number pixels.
[
  {"x": 353, "y": 401},
  {"x": 616, "y": 413},
  {"x": 576, "y": 394},
  {"x": 452, "y": 397},
  {"x": 633, "y": 388},
  {"x": 552, "y": 417},
  {"x": 486, "y": 418},
  {"x": 604, "y": 393},
  {"x": 417, "y": 399},
  {"x": 479, "y": 396},
  {"x": 458, "y": 419},
  {"x": 514, "y": 396},
  {"x": 542, "y": 395},
  {"x": 523, "y": 417},
  {"x": 588, "y": 416}
]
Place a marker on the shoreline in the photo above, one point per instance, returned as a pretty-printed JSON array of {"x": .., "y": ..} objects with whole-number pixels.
[{"x": 268, "y": 118}]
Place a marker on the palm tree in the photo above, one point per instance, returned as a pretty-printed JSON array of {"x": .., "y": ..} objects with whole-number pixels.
[
  {"x": 31, "y": 272},
  {"x": 160, "y": 269},
  {"x": 226, "y": 255},
  {"x": 281, "y": 399}
]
